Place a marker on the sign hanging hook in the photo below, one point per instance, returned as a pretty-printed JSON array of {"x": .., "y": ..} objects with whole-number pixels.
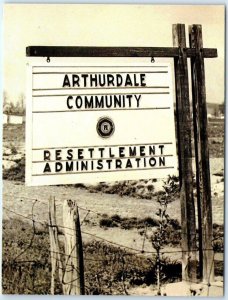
[
  {"x": 152, "y": 59},
  {"x": 48, "y": 59}
]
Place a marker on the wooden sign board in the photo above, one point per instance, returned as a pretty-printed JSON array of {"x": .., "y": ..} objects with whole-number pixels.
[{"x": 99, "y": 121}]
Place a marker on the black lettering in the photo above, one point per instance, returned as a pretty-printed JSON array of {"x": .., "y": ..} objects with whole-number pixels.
[
  {"x": 58, "y": 166},
  {"x": 108, "y": 101},
  {"x": 84, "y": 165},
  {"x": 117, "y": 100},
  {"x": 47, "y": 155},
  {"x": 91, "y": 152},
  {"x": 121, "y": 151},
  {"x": 138, "y": 99},
  {"x": 119, "y": 80},
  {"x": 144, "y": 160},
  {"x": 68, "y": 102},
  {"x": 135, "y": 80},
  {"x": 142, "y": 150},
  {"x": 70, "y": 155},
  {"x": 110, "y": 153},
  {"x": 66, "y": 81},
  {"x": 161, "y": 148},
  {"x": 109, "y": 163},
  {"x": 69, "y": 166},
  {"x": 84, "y": 76},
  {"x": 101, "y": 151},
  {"x": 128, "y": 81},
  {"x": 89, "y": 103},
  {"x": 80, "y": 156},
  {"x": 93, "y": 78},
  {"x": 142, "y": 79},
  {"x": 47, "y": 168},
  {"x": 99, "y": 164},
  {"x": 57, "y": 154},
  {"x": 152, "y": 161},
  {"x": 137, "y": 160},
  {"x": 162, "y": 161},
  {"x": 75, "y": 80},
  {"x": 129, "y": 164},
  {"x": 151, "y": 150},
  {"x": 132, "y": 151},
  {"x": 118, "y": 164},
  {"x": 110, "y": 79},
  {"x": 102, "y": 76},
  {"x": 129, "y": 100},
  {"x": 78, "y": 101},
  {"x": 99, "y": 104}
]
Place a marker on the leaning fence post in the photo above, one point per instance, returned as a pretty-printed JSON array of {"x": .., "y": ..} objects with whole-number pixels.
[
  {"x": 74, "y": 269},
  {"x": 54, "y": 247},
  {"x": 52, "y": 235}
]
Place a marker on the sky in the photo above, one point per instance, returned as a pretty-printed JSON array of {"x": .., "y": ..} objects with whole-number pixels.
[{"x": 106, "y": 25}]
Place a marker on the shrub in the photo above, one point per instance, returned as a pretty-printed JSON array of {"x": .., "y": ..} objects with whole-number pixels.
[
  {"x": 127, "y": 223},
  {"x": 218, "y": 238},
  {"x": 25, "y": 259},
  {"x": 108, "y": 270},
  {"x": 107, "y": 223},
  {"x": 16, "y": 173},
  {"x": 13, "y": 149}
]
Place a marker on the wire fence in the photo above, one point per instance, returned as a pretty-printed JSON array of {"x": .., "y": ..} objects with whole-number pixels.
[{"x": 109, "y": 267}]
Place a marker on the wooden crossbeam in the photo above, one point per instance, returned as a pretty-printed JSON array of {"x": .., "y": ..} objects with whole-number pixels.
[{"x": 61, "y": 51}]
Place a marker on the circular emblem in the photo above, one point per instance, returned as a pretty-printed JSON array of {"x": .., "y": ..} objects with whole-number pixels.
[{"x": 105, "y": 127}]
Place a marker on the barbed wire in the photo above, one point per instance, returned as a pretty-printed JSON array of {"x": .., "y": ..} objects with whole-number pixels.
[
  {"x": 101, "y": 238},
  {"x": 120, "y": 259}
]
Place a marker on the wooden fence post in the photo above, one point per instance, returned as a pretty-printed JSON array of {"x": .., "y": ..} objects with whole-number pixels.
[
  {"x": 185, "y": 156},
  {"x": 54, "y": 246},
  {"x": 205, "y": 225},
  {"x": 74, "y": 268}
]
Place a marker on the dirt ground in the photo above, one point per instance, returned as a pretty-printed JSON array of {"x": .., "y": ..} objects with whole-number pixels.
[
  {"x": 29, "y": 203},
  {"x": 19, "y": 198}
]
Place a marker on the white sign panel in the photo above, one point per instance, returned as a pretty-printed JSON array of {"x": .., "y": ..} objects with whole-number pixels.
[{"x": 92, "y": 122}]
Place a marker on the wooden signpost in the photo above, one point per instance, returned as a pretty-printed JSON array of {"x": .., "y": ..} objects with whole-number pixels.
[
  {"x": 185, "y": 156},
  {"x": 203, "y": 181},
  {"x": 180, "y": 53}
]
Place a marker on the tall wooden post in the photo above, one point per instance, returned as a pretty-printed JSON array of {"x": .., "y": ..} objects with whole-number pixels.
[
  {"x": 185, "y": 156},
  {"x": 202, "y": 155},
  {"x": 74, "y": 267}
]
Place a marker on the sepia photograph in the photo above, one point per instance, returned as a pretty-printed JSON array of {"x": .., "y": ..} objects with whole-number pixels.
[{"x": 113, "y": 149}]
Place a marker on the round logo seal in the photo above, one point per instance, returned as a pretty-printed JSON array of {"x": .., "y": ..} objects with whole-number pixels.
[{"x": 105, "y": 127}]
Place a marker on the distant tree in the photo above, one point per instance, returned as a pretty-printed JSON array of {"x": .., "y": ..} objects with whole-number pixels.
[
  {"x": 22, "y": 103},
  {"x": 5, "y": 99},
  {"x": 222, "y": 108},
  {"x": 7, "y": 106},
  {"x": 13, "y": 108},
  {"x": 216, "y": 111}
]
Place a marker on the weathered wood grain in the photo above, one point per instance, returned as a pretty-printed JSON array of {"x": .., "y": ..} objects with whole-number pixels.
[
  {"x": 185, "y": 156},
  {"x": 56, "y": 263},
  {"x": 74, "y": 269},
  {"x": 61, "y": 51},
  {"x": 202, "y": 156}
]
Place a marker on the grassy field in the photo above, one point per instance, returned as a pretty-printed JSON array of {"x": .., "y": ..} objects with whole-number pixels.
[
  {"x": 109, "y": 270},
  {"x": 116, "y": 217},
  {"x": 216, "y": 133}
]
